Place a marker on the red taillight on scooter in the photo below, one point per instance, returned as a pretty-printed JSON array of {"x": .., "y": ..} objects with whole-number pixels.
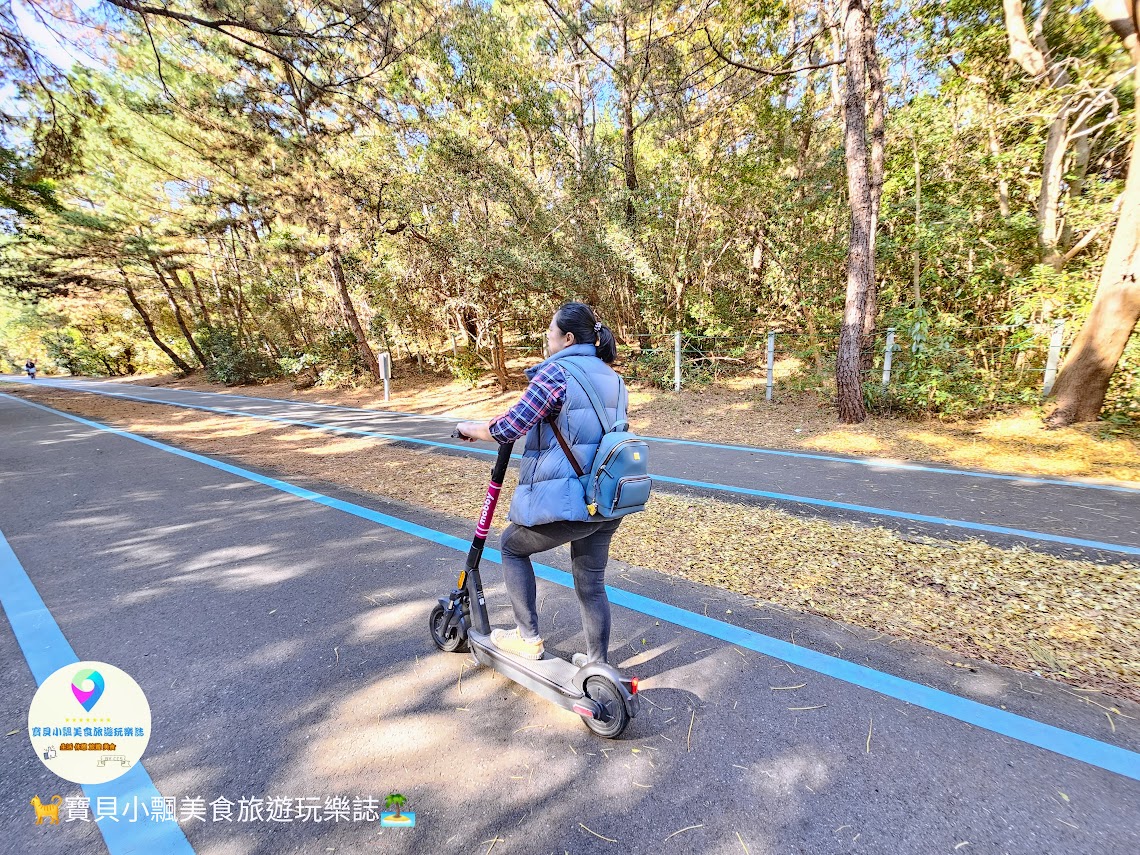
[{"x": 633, "y": 686}]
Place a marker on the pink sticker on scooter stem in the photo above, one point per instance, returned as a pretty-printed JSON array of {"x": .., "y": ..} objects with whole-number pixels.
[{"x": 484, "y": 526}]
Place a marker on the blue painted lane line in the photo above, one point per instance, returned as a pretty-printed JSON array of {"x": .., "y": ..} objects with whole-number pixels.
[
  {"x": 879, "y": 463},
  {"x": 1055, "y": 739},
  {"x": 1028, "y": 534},
  {"x": 223, "y": 411},
  {"x": 874, "y": 463},
  {"x": 47, "y": 650},
  {"x": 865, "y": 509}
]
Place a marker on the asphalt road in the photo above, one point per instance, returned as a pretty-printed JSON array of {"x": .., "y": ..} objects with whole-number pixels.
[
  {"x": 1069, "y": 517},
  {"x": 283, "y": 646}
]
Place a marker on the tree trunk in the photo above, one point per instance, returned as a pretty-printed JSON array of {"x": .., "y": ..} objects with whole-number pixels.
[
  {"x": 499, "y": 357},
  {"x": 1077, "y": 172},
  {"x": 1022, "y": 50},
  {"x": 836, "y": 89},
  {"x": 337, "y": 270},
  {"x": 238, "y": 302},
  {"x": 220, "y": 293},
  {"x": 178, "y": 361},
  {"x": 181, "y": 321},
  {"x": 757, "y": 268},
  {"x": 878, "y": 158},
  {"x": 1084, "y": 377},
  {"x": 859, "y": 272},
  {"x": 916, "y": 274},
  {"x": 1002, "y": 184},
  {"x": 201, "y": 300},
  {"x": 301, "y": 326},
  {"x": 581, "y": 85},
  {"x": 1031, "y": 53},
  {"x": 1049, "y": 200},
  {"x": 629, "y": 166}
]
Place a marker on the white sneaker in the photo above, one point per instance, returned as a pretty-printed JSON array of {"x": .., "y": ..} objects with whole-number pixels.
[{"x": 510, "y": 641}]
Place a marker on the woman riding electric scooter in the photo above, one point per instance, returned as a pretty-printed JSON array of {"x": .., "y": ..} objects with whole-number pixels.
[{"x": 547, "y": 508}]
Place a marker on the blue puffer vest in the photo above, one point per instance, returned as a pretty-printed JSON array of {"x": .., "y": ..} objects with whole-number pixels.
[{"x": 549, "y": 489}]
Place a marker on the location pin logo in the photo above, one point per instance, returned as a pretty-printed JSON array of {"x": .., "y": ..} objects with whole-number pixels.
[{"x": 87, "y": 686}]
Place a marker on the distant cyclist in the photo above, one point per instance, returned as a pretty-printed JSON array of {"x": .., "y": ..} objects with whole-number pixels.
[{"x": 30, "y": 367}]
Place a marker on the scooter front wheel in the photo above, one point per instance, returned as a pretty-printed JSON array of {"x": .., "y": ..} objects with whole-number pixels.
[
  {"x": 449, "y": 642},
  {"x": 615, "y": 716}
]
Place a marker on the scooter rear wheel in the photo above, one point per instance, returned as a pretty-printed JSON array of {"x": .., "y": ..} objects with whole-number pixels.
[
  {"x": 449, "y": 643},
  {"x": 609, "y": 697}
]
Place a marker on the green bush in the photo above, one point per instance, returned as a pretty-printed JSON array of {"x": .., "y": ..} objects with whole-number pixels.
[
  {"x": 466, "y": 366},
  {"x": 938, "y": 374},
  {"x": 654, "y": 367},
  {"x": 232, "y": 363},
  {"x": 334, "y": 360},
  {"x": 67, "y": 349}
]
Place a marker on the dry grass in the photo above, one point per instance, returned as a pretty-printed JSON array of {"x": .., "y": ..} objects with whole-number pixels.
[
  {"x": 1072, "y": 620},
  {"x": 737, "y": 413}
]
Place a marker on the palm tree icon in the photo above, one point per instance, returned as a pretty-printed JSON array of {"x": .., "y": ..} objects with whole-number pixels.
[{"x": 395, "y": 800}]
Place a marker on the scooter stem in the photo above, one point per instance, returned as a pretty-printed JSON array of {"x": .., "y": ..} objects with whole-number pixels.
[{"x": 482, "y": 529}]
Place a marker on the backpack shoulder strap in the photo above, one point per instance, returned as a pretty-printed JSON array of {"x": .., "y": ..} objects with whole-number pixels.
[
  {"x": 592, "y": 393},
  {"x": 578, "y": 470}
]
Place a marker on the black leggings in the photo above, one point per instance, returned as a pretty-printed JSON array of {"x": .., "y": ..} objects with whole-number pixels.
[{"x": 589, "y": 552}]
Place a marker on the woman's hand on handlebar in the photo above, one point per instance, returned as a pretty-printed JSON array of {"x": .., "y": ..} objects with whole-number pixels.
[{"x": 473, "y": 431}]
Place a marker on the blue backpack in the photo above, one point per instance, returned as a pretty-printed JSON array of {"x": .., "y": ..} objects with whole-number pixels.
[{"x": 617, "y": 482}]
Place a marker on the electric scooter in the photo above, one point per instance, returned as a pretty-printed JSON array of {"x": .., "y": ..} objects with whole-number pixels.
[{"x": 604, "y": 699}]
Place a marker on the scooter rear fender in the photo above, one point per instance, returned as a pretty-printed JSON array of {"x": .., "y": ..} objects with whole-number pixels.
[{"x": 601, "y": 669}]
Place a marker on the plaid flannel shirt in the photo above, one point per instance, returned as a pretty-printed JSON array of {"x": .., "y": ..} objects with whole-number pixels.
[{"x": 542, "y": 399}]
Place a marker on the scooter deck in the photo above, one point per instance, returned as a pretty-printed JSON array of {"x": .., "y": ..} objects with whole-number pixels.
[{"x": 550, "y": 677}]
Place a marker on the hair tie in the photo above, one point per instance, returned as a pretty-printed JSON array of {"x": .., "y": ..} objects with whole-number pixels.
[{"x": 598, "y": 326}]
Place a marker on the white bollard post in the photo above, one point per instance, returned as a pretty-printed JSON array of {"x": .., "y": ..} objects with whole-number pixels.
[
  {"x": 1054, "y": 354},
  {"x": 676, "y": 362},
  {"x": 887, "y": 354},
  {"x": 386, "y": 372},
  {"x": 771, "y": 378}
]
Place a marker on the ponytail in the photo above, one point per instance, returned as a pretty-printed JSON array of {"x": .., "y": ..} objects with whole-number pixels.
[
  {"x": 607, "y": 345},
  {"x": 580, "y": 320}
]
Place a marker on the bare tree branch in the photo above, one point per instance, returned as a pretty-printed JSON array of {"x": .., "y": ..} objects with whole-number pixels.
[{"x": 769, "y": 72}]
